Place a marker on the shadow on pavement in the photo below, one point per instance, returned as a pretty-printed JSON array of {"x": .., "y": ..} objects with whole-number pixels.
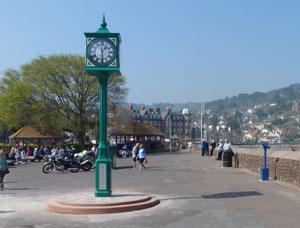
[
  {"x": 232, "y": 195},
  {"x": 217, "y": 196},
  {"x": 150, "y": 154},
  {"x": 153, "y": 168},
  {"x": 182, "y": 198},
  {"x": 20, "y": 189},
  {"x": 4, "y": 212},
  {"x": 124, "y": 167},
  {"x": 10, "y": 182}
]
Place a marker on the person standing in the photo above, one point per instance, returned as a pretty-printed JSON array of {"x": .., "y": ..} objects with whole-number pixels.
[
  {"x": 94, "y": 149},
  {"x": 3, "y": 168},
  {"x": 142, "y": 157},
  {"x": 227, "y": 154},
  {"x": 203, "y": 147},
  {"x": 213, "y": 145},
  {"x": 35, "y": 153},
  {"x": 17, "y": 155},
  {"x": 227, "y": 146},
  {"x": 135, "y": 151},
  {"x": 190, "y": 146},
  {"x": 124, "y": 153},
  {"x": 206, "y": 147},
  {"x": 220, "y": 151}
]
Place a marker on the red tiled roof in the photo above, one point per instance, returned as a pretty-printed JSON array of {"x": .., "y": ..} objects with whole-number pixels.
[
  {"x": 29, "y": 132},
  {"x": 138, "y": 129}
]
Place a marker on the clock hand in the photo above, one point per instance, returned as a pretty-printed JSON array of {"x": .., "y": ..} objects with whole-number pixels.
[{"x": 101, "y": 54}]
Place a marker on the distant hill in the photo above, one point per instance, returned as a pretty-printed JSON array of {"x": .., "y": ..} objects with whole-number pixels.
[{"x": 282, "y": 97}]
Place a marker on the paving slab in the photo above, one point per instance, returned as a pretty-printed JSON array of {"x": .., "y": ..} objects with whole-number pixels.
[{"x": 194, "y": 191}]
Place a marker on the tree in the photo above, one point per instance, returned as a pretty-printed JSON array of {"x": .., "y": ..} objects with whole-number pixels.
[
  {"x": 260, "y": 113},
  {"x": 56, "y": 94},
  {"x": 233, "y": 124},
  {"x": 17, "y": 102},
  {"x": 61, "y": 81},
  {"x": 214, "y": 120},
  {"x": 238, "y": 116}
]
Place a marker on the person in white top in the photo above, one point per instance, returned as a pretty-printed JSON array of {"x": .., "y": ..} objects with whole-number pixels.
[
  {"x": 190, "y": 146},
  {"x": 220, "y": 150},
  {"x": 227, "y": 146},
  {"x": 135, "y": 150}
]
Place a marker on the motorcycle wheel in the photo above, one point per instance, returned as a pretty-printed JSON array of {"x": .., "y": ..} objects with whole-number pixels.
[
  {"x": 87, "y": 166},
  {"x": 74, "y": 168},
  {"x": 48, "y": 168}
]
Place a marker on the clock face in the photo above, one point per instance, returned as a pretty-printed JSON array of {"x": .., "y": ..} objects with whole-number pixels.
[{"x": 101, "y": 51}]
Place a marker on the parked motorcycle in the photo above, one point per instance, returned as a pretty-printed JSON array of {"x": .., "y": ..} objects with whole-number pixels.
[
  {"x": 61, "y": 163},
  {"x": 85, "y": 159}
]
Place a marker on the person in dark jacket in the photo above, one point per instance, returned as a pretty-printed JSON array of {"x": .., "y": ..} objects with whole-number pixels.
[
  {"x": 213, "y": 145},
  {"x": 3, "y": 169},
  {"x": 206, "y": 148},
  {"x": 203, "y": 147}
]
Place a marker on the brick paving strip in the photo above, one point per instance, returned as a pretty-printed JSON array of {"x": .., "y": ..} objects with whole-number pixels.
[{"x": 86, "y": 203}]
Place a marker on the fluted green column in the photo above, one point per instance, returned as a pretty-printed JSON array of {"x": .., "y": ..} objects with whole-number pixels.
[{"x": 103, "y": 162}]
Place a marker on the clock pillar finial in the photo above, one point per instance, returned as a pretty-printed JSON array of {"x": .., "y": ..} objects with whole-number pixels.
[
  {"x": 104, "y": 24},
  {"x": 103, "y": 28}
]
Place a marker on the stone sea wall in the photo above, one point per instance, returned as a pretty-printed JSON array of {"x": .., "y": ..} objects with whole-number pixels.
[{"x": 283, "y": 165}]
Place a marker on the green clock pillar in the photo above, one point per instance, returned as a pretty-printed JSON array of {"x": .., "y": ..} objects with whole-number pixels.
[{"x": 102, "y": 60}]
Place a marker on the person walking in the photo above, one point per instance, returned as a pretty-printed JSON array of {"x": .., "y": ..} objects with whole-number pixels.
[
  {"x": 3, "y": 169},
  {"x": 135, "y": 151},
  {"x": 142, "y": 157}
]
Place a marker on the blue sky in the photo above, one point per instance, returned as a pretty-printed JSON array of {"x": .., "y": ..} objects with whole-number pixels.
[{"x": 171, "y": 50}]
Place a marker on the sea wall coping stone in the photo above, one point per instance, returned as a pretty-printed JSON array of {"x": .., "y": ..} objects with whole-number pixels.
[{"x": 282, "y": 154}]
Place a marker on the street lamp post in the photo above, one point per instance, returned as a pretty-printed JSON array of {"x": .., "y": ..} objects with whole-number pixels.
[
  {"x": 180, "y": 133},
  {"x": 201, "y": 126},
  {"x": 170, "y": 130},
  {"x": 201, "y": 120}
]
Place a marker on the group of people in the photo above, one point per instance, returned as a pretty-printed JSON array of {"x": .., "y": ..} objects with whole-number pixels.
[
  {"x": 123, "y": 152},
  {"x": 224, "y": 147},
  {"x": 205, "y": 147},
  {"x": 139, "y": 154},
  {"x": 208, "y": 148},
  {"x": 21, "y": 153}
]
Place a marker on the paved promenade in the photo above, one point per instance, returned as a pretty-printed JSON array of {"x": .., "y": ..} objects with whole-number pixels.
[{"x": 194, "y": 192}]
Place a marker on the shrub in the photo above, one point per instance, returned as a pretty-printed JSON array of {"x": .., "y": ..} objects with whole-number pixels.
[{"x": 5, "y": 147}]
